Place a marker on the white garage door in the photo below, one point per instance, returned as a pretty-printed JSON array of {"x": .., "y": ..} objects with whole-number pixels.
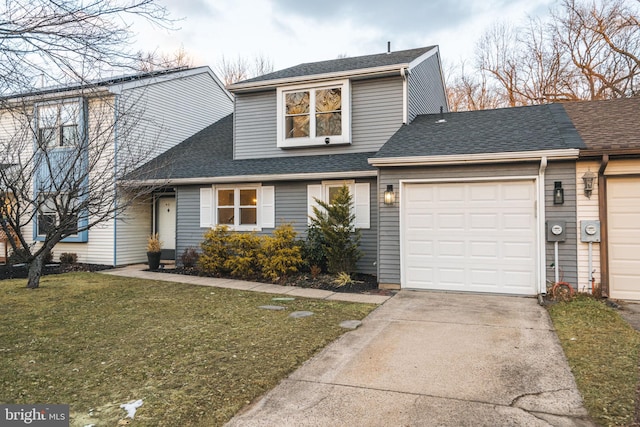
[
  {"x": 623, "y": 218},
  {"x": 471, "y": 236}
]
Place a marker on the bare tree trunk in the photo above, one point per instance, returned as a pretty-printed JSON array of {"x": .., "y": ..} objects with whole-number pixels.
[{"x": 35, "y": 271}]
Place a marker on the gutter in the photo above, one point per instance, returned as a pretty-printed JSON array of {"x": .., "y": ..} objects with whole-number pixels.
[
  {"x": 250, "y": 178},
  {"x": 456, "y": 159}
]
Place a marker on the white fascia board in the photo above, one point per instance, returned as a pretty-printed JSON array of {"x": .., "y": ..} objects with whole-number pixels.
[
  {"x": 351, "y": 74},
  {"x": 423, "y": 57},
  {"x": 147, "y": 81},
  {"x": 252, "y": 178},
  {"x": 504, "y": 157}
]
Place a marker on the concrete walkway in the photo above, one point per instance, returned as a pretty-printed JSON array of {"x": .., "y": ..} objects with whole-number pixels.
[
  {"x": 138, "y": 272},
  {"x": 433, "y": 359}
]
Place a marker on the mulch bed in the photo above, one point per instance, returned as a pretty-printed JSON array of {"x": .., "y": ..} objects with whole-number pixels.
[
  {"x": 21, "y": 272},
  {"x": 362, "y": 283}
]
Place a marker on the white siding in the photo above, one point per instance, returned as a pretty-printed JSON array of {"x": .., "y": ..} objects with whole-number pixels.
[
  {"x": 376, "y": 114},
  {"x": 133, "y": 228},
  {"x": 587, "y": 209}
]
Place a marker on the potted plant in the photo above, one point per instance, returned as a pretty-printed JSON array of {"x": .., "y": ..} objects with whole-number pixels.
[{"x": 154, "y": 250}]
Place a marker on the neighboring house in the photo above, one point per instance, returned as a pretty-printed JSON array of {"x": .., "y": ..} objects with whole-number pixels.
[
  {"x": 612, "y": 157},
  {"x": 149, "y": 113},
  {"x": 296, "y": 135}
]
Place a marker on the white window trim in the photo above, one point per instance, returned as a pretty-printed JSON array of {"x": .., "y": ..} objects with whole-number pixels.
[
  {"x": 58, "y": 128},
  {"x": 265, "y": 206},
  {"x": 45, "y": 209},
  {"x": 360, "y": 194},
  {"x": 314, "y": 141}
]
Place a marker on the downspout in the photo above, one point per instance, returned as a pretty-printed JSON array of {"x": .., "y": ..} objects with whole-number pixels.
[
  {"x": 604, "y": 233},
  {"x": 115, "y": 184},
  {"x": 542, "y": 270},
  {"x": 404, "y": 72}
]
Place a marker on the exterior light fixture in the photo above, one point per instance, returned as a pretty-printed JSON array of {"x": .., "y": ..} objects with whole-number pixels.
[
  {"x": 588, "y": 179},
  {"x": 389, "y": 195},
  {"x": 558, "y": 193}
]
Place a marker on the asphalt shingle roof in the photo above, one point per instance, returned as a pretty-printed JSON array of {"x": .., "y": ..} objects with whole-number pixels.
[
  {"x": 541, "y": 127},
  {"x": 607, "y": 125},
  {"x": 209, "y": 154},
  {"x": 345, "y": 64}
]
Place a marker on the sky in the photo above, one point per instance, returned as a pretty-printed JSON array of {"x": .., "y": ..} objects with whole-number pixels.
[{"x": 290, "y": 32}]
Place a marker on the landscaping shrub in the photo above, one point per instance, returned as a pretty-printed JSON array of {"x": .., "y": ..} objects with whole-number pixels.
[
  {"x": 249, "y": 256},
  {"x": 280, "y": 255},
  {"x": 214, "y": 251},
  {"x": 243, "y": 250},
  {"x": 18, "y": 256},
  {"x": 313, "y": 250},
  {"x": 335, "y": 222},
  {"x": 68, "y": 258},
  {"x": 189, "y": 257}
]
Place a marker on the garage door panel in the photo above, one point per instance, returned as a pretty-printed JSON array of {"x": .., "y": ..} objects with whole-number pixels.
[
  {"x": 483, "y": 249},
  {"x": 623, "y": 206},
  {"x": 483, "y": 237},
  {"x": 451, "y": 249},
  {"x": 484, "y": 221}
]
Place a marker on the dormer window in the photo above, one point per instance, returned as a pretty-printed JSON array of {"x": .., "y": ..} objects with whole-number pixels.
[{"x": 314, "y": 115}]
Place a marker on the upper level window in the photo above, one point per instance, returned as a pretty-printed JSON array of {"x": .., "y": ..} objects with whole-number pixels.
[
  {"x": 58, "y": 124},
  {"x": 312, "y": 116}
]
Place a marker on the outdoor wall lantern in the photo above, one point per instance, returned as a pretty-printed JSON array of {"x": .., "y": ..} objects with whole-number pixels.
[
  {"x": 558, "y": 193},
  {"x": 389, "y": 196},
  {"x": 588, "y": 179}
]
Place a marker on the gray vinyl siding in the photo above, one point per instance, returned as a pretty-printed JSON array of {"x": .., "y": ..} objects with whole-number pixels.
[
  {"x": 389, "y": 223},
  {"x": 291, "y": 207},
  {"x": 376, "y": 114},
  {"x": 426, "y": 89},
  {"x": 564, "y": 172},
  {"x": 188, "y": 231},
  {"x": 170, "y": 111}
]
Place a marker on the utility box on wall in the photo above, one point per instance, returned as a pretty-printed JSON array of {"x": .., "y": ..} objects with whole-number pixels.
[
  {"x": 590, "y": 231},
  {"x": 556, "y": 231}
]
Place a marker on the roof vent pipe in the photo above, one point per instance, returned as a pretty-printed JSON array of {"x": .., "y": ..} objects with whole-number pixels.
[
  {"x": 388, "y": 47},
  {"x": 441, "y": 120}
]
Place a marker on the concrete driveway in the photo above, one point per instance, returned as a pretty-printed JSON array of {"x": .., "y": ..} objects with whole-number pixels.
[{"x": 427, "y": 359}]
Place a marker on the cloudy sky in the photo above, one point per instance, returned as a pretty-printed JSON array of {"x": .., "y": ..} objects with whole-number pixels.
[{"x": 289, "y": 32}]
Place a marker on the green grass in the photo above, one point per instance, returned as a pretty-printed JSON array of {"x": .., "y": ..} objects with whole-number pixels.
[
  {"x": 603, "y": 352},
  {"x": 196, "y": 355}
]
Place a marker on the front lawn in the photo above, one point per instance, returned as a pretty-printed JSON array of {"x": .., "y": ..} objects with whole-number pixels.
[
  {"x": 603, "y": 352},
  {"x": 195, "y": 355}
]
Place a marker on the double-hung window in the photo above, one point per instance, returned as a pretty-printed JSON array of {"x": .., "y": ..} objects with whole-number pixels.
[
  {"x": 59, "y": 124},
  {"x": 245, "y": 207},
  {"x": 237, "y": 207},
  {"x": 49, "y": 218},
  {"x": 314, "y": 115}
]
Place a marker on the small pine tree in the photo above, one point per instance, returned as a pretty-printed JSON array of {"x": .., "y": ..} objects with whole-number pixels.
[{"x": 341, "y": 240}]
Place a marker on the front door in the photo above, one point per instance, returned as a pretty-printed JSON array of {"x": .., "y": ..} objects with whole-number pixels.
[{"x": 167, "y": 226}]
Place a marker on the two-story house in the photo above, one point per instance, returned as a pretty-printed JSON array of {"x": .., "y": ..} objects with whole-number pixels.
[
  {"x": 95, "y": 131},
  {"x": 299, "y": 134},
  {"x": 480, "y": 201}
]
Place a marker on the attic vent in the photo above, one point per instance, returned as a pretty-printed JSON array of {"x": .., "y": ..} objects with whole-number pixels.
[{"x": 441, "y": 119}]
